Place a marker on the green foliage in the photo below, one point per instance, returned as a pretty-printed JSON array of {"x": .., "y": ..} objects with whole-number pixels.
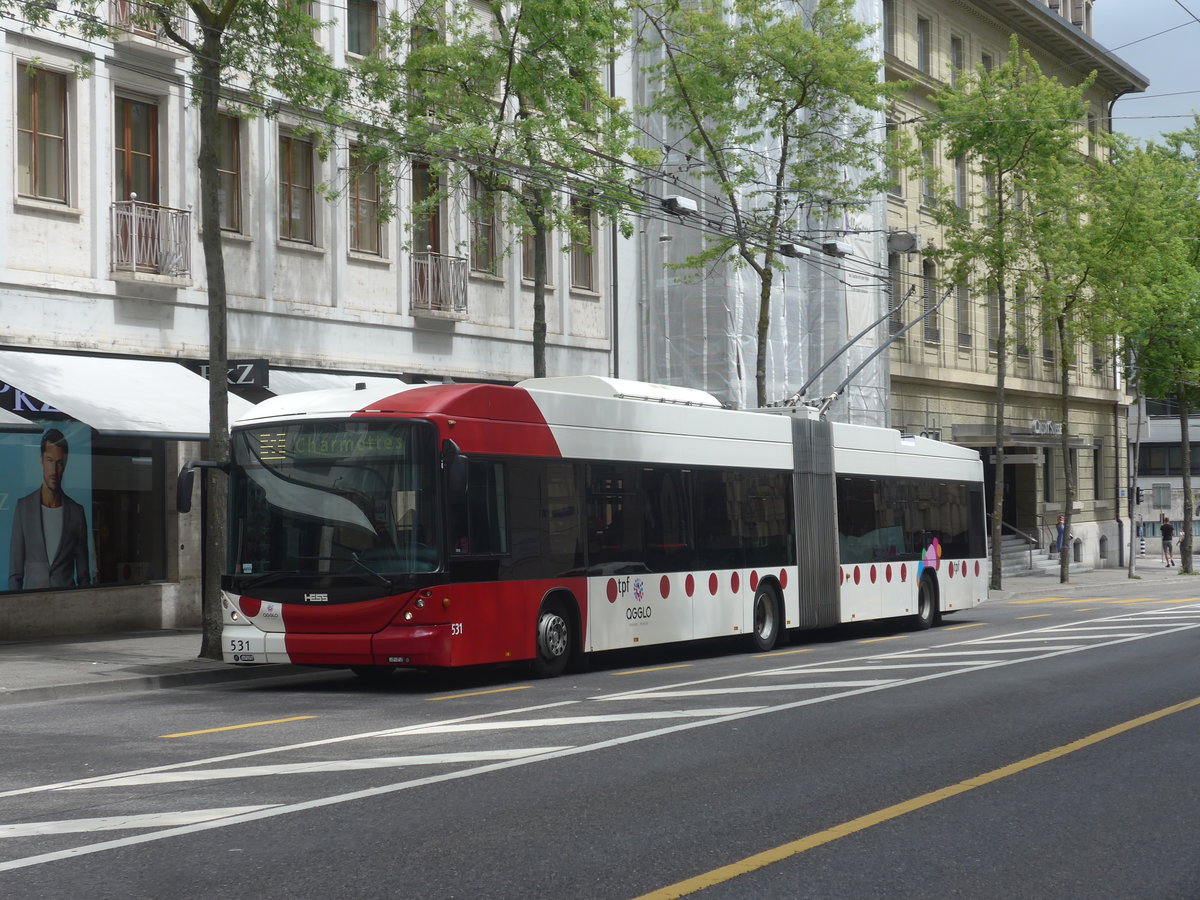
[{"x": 777, "y": 107}]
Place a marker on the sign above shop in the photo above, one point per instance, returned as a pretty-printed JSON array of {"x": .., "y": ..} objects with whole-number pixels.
[{"x": 242, "y": 372}]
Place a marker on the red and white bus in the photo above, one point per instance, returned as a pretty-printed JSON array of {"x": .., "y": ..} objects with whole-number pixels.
[{"x": 463, "y": 524}]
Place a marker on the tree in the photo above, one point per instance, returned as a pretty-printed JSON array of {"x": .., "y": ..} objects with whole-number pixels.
[
  {"x": 776, "y": 104},
  {"x": 1019, "y": 129},
  {"x": 256, "y": 55},
  {"x": 509, "y": 97},
  {"x": 1150, "y": 221}
]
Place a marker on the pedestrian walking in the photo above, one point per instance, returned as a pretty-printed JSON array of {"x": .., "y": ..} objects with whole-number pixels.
[{"x": 1168, "y": 535}]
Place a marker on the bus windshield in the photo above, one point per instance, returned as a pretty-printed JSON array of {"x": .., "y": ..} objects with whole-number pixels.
[{"x": 334, "y": 497}]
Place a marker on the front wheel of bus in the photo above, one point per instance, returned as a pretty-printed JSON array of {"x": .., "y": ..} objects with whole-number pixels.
[
  {"x": 553, "y": 641},
  {"x": 766, "y": 619}
]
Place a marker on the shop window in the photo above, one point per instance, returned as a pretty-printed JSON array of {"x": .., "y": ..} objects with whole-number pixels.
[{"x": 83, "y": 510}]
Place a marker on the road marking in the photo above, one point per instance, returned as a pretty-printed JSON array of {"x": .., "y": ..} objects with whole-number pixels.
[
  {"x": 794, "y": 848},
  {"x": 486, "y": 769},
  {"x": 523, "y": 687},
  {"x": 894, "y": 637},
  {"x": 1054, "y": 637},
  {"x": 659, "y": 669},
  {"x": 121, "y": 823},
  {"x": 971, "y": 625},
  {"x": 318, "y": 767},
  {"x": 1038, "y": 616},
  {"x": 283, "y": 748},
  {"x": 870, "y": 667},
  {"x": 751, "y": 689},
  {"x": 921, "y": 654},
  {"x": 602, "y": 719},
  {"x": 783, "y": 653},
  {"x": 236, "y": 727},
  {"x": 1041, "y": 600}
]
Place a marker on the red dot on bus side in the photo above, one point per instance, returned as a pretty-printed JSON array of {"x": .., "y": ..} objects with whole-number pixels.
[
  {"x": 734, "y": 582},
  {"x": 689, "y": 585},
  {"x": 664, "y": 587},
  {"x": 903, "y": 572},
  {"x": 783, "y": 578},
  {"x": 612, "y": 590},
  {"x": 754, "y": 581},
  {"x": 951, "y": 570},
  {"x": 712, "y": 584},
  {"x": 976, "y": 567},
  {"x": 857, "y": 575},
  {"x": 874, "y": 574},
  {"x": 887, "y": 573},
  {"x": 841, "y": 576}
]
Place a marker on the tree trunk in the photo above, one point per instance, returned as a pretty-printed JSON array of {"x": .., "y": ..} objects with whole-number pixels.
[
  {"x": 1185, "y": 521},
  {"x": 997, "y": 578},
  {"x": 1064, "y": 374},
  {"x": 765, "y": 281},
  {"x": 539, "y": 287},
  {"x": 209, "y": 73}
]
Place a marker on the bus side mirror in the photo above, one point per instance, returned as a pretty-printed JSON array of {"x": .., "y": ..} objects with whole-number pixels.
[
  {"x": 183, "y": 489},
  {"x": 457, "y": 464},
  {"x": 187, "y": 478}
]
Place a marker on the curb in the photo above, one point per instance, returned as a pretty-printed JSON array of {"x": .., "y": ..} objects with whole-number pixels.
[{"x": 142, "y": 683}]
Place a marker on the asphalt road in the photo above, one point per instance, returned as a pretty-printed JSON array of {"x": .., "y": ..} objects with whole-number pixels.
[{"x": 1033, "y": 748}]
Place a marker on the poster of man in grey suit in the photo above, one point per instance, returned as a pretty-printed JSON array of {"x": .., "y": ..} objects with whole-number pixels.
[{"x": 49, "y": 545}]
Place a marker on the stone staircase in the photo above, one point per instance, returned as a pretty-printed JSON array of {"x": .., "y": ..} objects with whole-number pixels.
[{"x": 1015, "y": 559}]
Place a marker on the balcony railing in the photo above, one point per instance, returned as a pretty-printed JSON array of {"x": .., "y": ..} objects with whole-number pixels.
[
  {"x": 439, "y": 285},
  {"x": 151, "y": 239},
  {"x": 132, "y": 17}
]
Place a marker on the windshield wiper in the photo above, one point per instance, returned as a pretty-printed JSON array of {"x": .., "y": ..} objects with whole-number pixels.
[
  {"x": 263, "y": 579},
  {"x": 383, "y": 579}
]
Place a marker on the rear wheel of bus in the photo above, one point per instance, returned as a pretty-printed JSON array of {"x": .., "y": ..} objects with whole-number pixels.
[
  {"x": 927, "y": 604},
  {"x": 766, "y": 618}
]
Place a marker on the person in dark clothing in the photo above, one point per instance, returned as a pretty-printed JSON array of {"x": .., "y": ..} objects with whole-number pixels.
[{"x": 1168, "y": 535}]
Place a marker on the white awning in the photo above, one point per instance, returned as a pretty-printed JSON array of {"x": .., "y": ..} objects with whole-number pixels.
[
  {"x": 143, "y": 397},
  {"x": 283, "y": 381},
  {"x": 12, "y": 422}
]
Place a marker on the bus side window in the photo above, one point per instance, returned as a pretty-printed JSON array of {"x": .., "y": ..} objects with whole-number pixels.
[{"x": 479, "y": 516}]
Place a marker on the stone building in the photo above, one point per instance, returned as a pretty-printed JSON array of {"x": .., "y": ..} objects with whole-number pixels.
[{"x": 943, "y": 370}]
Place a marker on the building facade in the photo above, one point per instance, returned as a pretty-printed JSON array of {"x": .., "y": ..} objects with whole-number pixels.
[
  {"x": 943, "y": 370},
  {"x": 103, "y": 300}
]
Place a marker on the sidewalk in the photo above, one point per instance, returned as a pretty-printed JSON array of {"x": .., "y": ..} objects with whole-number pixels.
[
  {"x": 72, "y": 667},
  {"x": 87, "y": 666}
]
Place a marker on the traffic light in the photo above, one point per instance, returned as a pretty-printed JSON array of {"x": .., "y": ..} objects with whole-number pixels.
[{"x": 1138, "y": 494}]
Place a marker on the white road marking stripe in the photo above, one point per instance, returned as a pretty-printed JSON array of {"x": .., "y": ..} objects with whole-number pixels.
[
  {"x": 822, "y": 670},
  {"x": 1030, "y": 637},
  {"x": 581, "y": 720},
  {"x": 753, "y": 689},
  {"x": 921, "y": 654},
  {"x": 326, "y": 765},
  {"x": 120, "y": 823}
]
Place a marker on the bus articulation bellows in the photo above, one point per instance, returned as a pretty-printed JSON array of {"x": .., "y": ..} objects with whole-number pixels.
[{"x": 465, "y": 524}]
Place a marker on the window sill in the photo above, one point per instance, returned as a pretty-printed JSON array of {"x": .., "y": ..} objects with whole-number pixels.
[
  {"x": 284, "y": 245},
  {"x": 481, "y": 275},
  {"x": 369, "y": 259},
  {"x": 33, "y": 205}
]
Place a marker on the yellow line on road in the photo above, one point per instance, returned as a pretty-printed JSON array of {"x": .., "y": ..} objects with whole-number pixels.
[
  {"x": 1038, "y": 616},
  {"x": 659, "y": 669},
  {"x": 778, "y": 854},
  {"x": 970, "y": 625},
  {"x": 523, "y": 687},
  {"x": 783, "y": 653},
  {"x": 236, "y": 727},
  {"x": 1040, "y": 600},
  {"x": 894, "y": 637}
]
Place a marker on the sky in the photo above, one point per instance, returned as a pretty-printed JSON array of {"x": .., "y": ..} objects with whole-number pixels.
[{"x": 1170, "y": 60}]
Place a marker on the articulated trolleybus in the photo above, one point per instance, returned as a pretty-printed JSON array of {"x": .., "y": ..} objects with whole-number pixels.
[{"x": 451, "y": 525}]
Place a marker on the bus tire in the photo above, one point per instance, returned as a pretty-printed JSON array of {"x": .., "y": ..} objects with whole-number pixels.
[
  {"x": 766, "y": 625},
  {"x": 927, "y": 613},
  {"x": 553, "y": 640}
]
